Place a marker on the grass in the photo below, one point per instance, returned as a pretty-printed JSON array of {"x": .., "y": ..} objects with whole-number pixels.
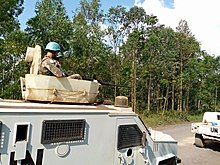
[{"x": 169, "y": 118}]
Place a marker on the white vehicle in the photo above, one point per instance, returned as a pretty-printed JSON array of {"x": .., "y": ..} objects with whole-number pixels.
[
  {"x": 59, "y": 123},
  {"x": 208, "y": 129}
]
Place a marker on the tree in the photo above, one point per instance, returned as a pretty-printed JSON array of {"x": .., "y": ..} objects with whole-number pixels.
[
  {"x": 187, "y": 48},
  {"x": 147, "y": 58},
  {"x": 134, "y": 25},
  {"x": 115, "y": 39},
  {"x": 86, "y": 43},
  {"x": 9, "y": 25},
  {"x": 9, "y": 12},
  {"x": 114, "y": 19},
  {"x": 12, "y": 64},
  {"x": 208, "y": 82},
  {"x": 51, "y": 23}
]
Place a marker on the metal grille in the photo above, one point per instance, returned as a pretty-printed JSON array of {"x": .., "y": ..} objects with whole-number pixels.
[
  {"x": 129, "y": 136},
  {"x": 62, "y": 130}
]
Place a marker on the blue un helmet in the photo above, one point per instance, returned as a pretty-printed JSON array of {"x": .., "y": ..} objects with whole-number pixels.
[{"x": 53, "y": 46}]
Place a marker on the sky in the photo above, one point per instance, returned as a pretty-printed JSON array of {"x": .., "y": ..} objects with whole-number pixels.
[{"x": 202, "y": 16}]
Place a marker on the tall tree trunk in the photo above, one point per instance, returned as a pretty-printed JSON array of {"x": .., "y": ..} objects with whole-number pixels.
[
  {"x": 166, "y": 98},
  {"x": 157, "y": 96},
  {"x": 148, "y": 94},
  {"x": 187, "y": 96},
  {"x": 134, "y": 80},
  {"x": 115, "y": 89},
  {"x": 184, "y": 104},
  {"x": 173, "y": 94},
  {"x": 178, "y": 103},
  {"x": 216, "y": 98},
  {"x": 199, "y": 103},
  {"x": 195, "y": 103},
  {"x": 181, "y": 84},
  {"x": 3, "y": 77},
  {"x": 12, "y": 76}
]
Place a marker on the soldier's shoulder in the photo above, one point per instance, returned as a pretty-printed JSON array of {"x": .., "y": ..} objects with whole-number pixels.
[{"x": 48, "y": 60}]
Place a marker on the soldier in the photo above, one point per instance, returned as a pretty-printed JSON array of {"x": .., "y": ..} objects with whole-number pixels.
[{"x": 50, "y": 64}]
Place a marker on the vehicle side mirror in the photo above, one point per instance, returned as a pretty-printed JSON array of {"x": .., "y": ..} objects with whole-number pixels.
[{"x": 144, "y": 139}]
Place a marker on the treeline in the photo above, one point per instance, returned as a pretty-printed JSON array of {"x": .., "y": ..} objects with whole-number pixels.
[{"x": 158, "y": 68}]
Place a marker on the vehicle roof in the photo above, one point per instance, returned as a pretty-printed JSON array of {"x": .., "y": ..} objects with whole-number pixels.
[
  {"x": 210, "y": 116},
  {"x": 23, "y": 106}
]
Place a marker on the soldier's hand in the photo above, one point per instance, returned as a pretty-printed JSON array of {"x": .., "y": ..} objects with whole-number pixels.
[{"x": 75, "y": 76}]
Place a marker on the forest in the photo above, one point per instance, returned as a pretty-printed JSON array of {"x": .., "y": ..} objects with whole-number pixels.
[{"x": 158, "y": 68}]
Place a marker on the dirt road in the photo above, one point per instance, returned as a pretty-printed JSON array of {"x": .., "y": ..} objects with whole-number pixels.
[{"x": 187, "y": 151}]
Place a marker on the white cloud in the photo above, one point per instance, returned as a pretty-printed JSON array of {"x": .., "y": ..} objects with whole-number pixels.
[{"x": 201, "y": 15}]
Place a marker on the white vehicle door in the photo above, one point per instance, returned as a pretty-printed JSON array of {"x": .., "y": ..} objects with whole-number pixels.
[{"x": 130, "y": 149}]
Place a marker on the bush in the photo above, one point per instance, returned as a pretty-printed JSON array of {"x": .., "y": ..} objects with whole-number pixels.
[{"x": 153, "y": 119}]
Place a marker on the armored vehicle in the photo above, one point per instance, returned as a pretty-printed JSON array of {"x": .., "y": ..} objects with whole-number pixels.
[{"x": 59, "y": 122}]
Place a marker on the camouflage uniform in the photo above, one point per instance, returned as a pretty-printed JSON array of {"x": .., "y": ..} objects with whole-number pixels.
[{"x": 51, "y": 67}]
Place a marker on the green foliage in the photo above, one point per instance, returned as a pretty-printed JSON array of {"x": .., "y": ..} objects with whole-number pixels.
[
  {"x": 169, "y": 118},
  {"x": 87, "y": 49},
  {"x": 9, "y": 12},
  {"x": 115, "y": 32},
  {"x": 51, "y": 23},
  {"x": 13, "y": 48}
]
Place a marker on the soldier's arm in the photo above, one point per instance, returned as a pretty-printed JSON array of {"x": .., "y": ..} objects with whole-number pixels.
[{"x": 56, "y": 71}]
